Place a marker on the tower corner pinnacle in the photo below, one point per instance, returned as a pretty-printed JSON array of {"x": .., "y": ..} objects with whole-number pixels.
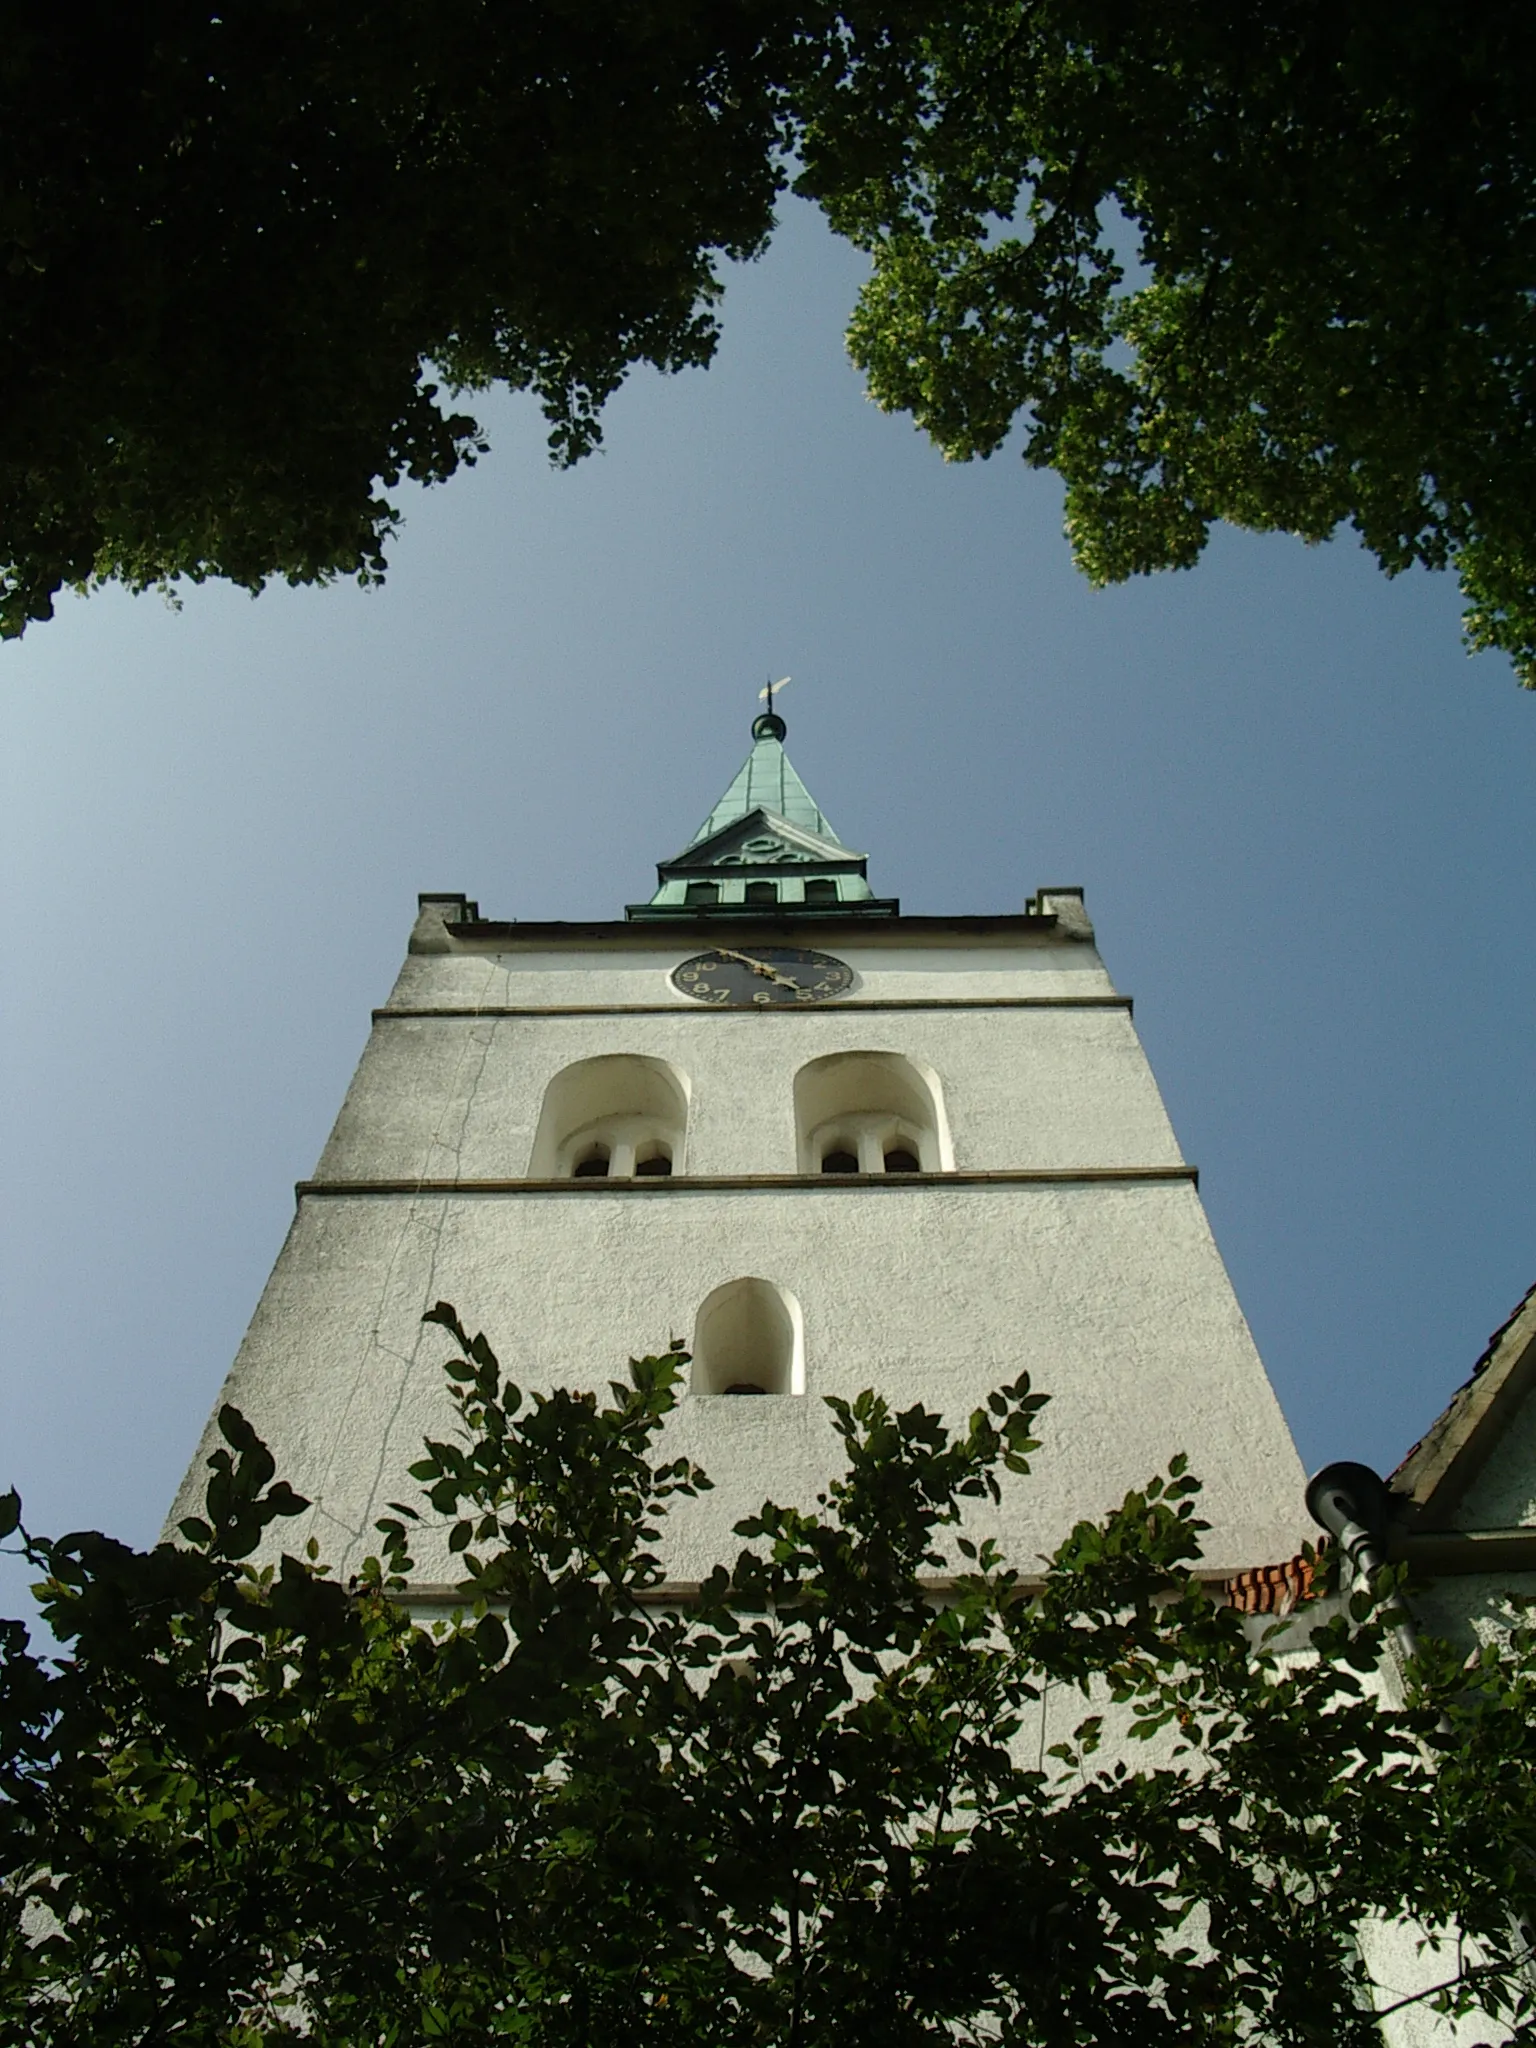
[
  {"x": 435, "y": 911},
  {"x": 1066, "y": 905}
]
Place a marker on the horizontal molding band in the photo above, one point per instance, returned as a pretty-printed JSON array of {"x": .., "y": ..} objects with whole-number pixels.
[
  {"x": 648, "y": 1189},
  {"x": 772, "y": 1009},
  {"x": 683, "y": 1592},
  {"x": 847, "y": 922},
  {"x": 1449, "y": 1553}
]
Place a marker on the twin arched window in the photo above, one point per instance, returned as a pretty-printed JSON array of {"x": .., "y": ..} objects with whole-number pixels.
[
  {"x": 624, "y": 1115},
  {"x": 613, "y": 1117},
  {"x": 871, "y": 1112}
]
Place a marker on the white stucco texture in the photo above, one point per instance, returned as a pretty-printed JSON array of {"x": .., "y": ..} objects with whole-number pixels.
[
  {"x": 461, "y": 1097},
  {"x": 1478, "y": 1607},
  {"x": 1503, "y": 1494},
  {"x": 1111, "y": 1296},
  {"x": 930, "y": 1289},
  {"x": 638, "y": 970}
]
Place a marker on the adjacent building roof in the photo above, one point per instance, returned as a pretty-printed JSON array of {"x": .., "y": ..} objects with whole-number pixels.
[{"x": 1433, "y": 1479}]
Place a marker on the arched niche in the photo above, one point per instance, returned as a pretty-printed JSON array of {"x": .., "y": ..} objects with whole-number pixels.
[
  {"x": 880, "y": 1109},
  {"x": 749, "y": 1338},
  {"x": 613, "y": 1116}
]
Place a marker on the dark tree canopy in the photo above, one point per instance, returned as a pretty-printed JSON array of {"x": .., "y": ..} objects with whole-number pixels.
[
  {"x": 1268, "y": 261},
  {"x": 808, "y": 1804},
  {"x": 242, "y": 246}
]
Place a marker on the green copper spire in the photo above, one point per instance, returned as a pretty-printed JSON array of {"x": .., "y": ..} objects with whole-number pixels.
[
  {"x": 766, "y": 849},
  {"x": 766, "y": 781}
]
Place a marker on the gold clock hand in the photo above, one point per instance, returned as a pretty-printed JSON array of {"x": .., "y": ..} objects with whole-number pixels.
[{"x": 757, "y": 967}]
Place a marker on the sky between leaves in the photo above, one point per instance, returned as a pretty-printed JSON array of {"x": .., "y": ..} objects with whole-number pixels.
[{"x": 1302, "y": 817}]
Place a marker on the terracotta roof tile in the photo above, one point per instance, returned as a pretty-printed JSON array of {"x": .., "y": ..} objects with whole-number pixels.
[{"x": 1273, "y": 1588}]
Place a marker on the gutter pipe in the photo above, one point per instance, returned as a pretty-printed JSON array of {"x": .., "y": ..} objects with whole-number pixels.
[{"x": 1351, "y": 1502}]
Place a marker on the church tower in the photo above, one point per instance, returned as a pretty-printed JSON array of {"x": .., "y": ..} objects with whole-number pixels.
[{"x": 828, "y": 1145}]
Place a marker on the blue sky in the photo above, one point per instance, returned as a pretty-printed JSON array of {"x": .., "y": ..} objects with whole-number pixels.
[{"x": 1301, "y": 815}]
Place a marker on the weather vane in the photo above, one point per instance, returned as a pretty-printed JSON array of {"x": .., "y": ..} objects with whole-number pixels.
[{"x": 782, "y": 683}]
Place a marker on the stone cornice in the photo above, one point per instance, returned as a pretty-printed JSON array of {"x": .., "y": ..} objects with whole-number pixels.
[
  {"x": 474, "y": 934},
  {"x": 647, "y": 1189},
  {"x": 687, "y": 1009}
]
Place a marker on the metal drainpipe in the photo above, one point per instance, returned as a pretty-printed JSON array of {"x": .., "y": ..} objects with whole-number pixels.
[{"x": 1351, "y": 1502}]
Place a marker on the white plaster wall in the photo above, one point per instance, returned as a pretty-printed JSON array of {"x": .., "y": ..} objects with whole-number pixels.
[
  {"x": 459, "y": 1097},
  {"x": 1476, "y": 1607},
  {"x": 1471, "y": 1608},
  {"x": 637, "y": 972},
  {"x": 1112, "y": 1296},
  {"x": 1503, "y": 1495},
  {"x": 1407, "y": 1962}
]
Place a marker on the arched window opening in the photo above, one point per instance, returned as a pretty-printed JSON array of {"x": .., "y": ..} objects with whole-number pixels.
[
  {"x": 821, "y": 890},
  {"x": 749, "y": 1338},
  {"x": 611, "y": 1117},
  {"x": 702, "y": 892},
  {"x": 762, "y": 892},
  {"x": 881, "y": 1109}
]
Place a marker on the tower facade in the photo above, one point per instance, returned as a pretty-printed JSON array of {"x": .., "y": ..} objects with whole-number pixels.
[{"x": 828, "y": 1145}]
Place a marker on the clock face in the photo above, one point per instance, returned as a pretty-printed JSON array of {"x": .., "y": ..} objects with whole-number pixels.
[{"x": 759, "y": 976}]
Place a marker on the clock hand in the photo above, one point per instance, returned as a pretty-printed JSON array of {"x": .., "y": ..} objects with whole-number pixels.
[{"x": 757, "y": 967}]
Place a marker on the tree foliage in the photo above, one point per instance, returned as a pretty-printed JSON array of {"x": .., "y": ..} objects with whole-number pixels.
[
  {"x": 810, "y": 1803},
  {"x": 244, "y": 247},
  {"x": 1266, "y": 261}
]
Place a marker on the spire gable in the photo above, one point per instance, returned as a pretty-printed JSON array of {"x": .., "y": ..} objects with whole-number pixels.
[
  {"x": 767, "y": 781},
  {"x": 767, "y": 847},
  {"x": 762, "y": 839}
]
